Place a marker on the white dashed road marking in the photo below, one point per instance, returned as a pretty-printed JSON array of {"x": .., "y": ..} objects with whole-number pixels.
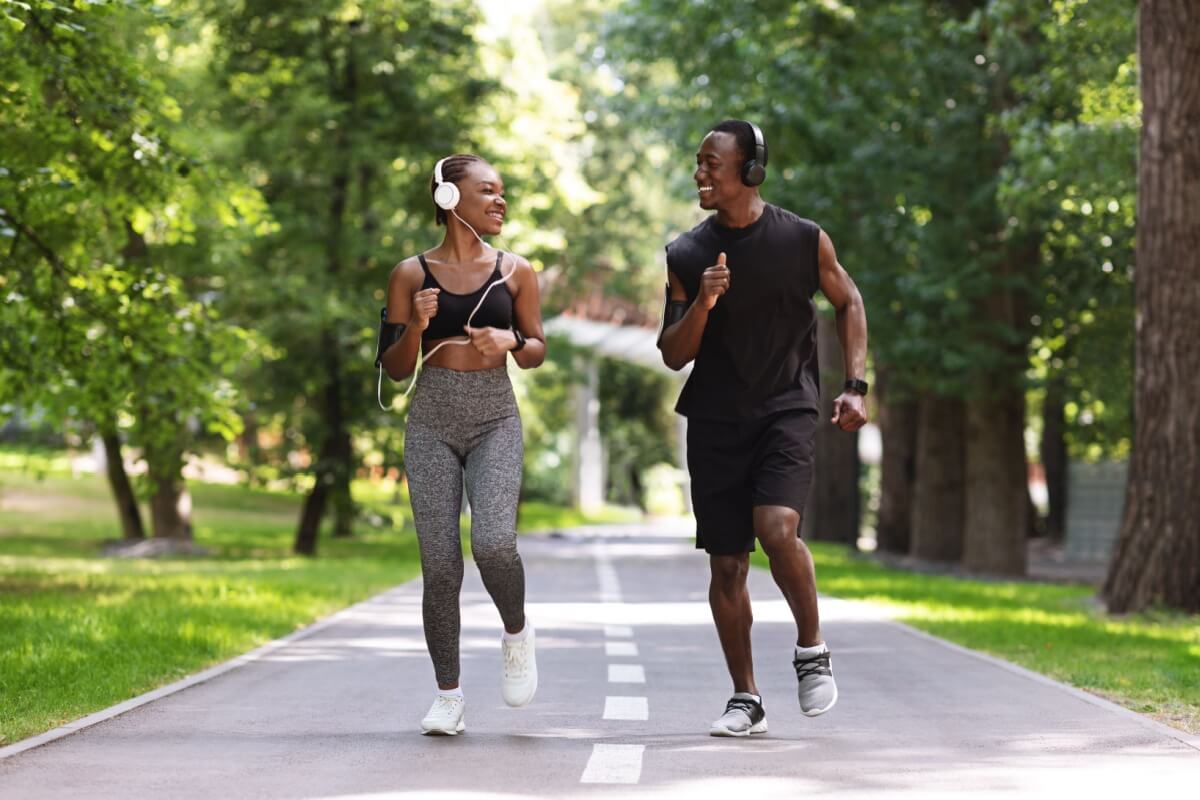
[
  {"x": 620, "y": 649},
  {"x": 614, "y": 763},
  {"x": 631, "y": 708}
]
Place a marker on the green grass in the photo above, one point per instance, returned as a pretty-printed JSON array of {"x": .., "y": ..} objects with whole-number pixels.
[
  {"x": 535, "y": 516},
  {"x": 1148, "y": 662},
  {"x": 80, "y": 632}
]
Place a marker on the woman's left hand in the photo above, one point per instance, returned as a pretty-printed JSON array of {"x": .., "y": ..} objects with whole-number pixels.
[{"x": 492, "y": 341}]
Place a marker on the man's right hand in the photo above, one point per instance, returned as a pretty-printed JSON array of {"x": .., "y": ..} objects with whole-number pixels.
[
  {"x": 425, "y": 308},
  {"x": 713, "y": 283}
]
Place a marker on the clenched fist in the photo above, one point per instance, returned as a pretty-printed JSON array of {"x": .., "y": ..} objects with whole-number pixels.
[
  {"x": 713, "y": 283},
  {"x": 425, "y": 308},
  {"x": 492, "y": 341},
  {"x": 849, "y": 411}
]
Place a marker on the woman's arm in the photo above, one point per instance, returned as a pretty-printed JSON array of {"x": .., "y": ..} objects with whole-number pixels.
[
  {"x": 527, "y": 318},
  {"x": 400, "y": 359}
]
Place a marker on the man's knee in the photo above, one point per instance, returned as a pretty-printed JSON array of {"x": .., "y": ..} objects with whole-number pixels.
[
  {"x": 776, "y": 528},
  {"x": 729, "y": 571}
]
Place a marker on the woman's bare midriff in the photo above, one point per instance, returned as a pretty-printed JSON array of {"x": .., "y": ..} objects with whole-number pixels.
[{"x": 461, "y": 357}]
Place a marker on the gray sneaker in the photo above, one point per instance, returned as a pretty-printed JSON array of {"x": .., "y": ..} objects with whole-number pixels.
[
  {"x": 817, "y": 689},
  {"x": 743, "y": 716}
]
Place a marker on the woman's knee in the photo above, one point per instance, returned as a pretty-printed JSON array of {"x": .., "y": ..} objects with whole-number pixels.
[{"x": 495, "y": 551}]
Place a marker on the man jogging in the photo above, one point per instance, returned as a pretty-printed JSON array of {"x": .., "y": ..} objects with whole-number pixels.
[{"x": 739, "y": 303}]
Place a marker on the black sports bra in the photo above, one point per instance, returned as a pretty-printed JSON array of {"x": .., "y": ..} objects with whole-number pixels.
[{"x": 453, "y": 309}]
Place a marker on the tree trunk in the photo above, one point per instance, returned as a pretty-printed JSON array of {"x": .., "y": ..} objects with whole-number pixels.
[
  {"x": 250, "y": 453},
  {"x": 171, "y": 508},
  {"x": 997, "y": 493},
  {"x": 343, "y": 501},
  {"x": 897, "y": 416},
  {"x": 171, "y": 511},
  {"x": 132, "y": 528},
  {"x": 1157, "y": 558},
  {"x": 310, "y": 519},
  {"x": 832, "y": 513},
  {"x": 331, "y": 482},
  {"x": 170, "y": 503},
  {"x": 938, "y": 506},
  {"x": 332, "y": 459},
  {"x": 997, "y": 523},
  {"x": 1054, "y": 456}
]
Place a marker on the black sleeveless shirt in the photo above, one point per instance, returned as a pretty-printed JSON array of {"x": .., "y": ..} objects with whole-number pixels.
[
  {"x": 453, "y": 309},
  {"x": 758, "y": 353}
]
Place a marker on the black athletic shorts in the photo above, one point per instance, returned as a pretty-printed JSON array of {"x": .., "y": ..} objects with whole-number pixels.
[{"x": 736, "y": 466}]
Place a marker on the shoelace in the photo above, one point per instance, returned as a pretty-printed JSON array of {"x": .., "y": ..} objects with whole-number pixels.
[
  {"x": 445, "y": 704},
  {"x": 515, "y": 662},
  {"x": 816, "y": 665},
  {"x": 741, "y": 704}
]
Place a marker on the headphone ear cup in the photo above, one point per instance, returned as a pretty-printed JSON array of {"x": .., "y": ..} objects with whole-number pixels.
[
  {"x": 446, "y": 195},
  {"x": 753, "y": 174}
]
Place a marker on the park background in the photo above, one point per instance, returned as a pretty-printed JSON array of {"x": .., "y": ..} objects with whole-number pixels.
[{"x": 200, "y": 203}]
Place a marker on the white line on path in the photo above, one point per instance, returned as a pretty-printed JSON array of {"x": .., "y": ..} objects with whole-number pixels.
[
  {"x": 626, "y": 673},
  {"x": 633, "y": 708},
  {"x": 610, "y": 587},
  {"x": 617, "y": 763},
  {"x": 620, "y": 649},
  {"x": 614, "y": 763}
]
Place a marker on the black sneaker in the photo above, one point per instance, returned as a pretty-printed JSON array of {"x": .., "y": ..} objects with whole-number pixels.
[
  {"x": 817, "y": 690},
  {"x": 743, "y": 716}
]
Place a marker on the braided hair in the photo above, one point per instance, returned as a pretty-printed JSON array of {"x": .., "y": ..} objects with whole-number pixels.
[{"x": 454, "y": 169}]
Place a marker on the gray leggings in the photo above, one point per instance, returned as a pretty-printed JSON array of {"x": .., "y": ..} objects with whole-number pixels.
[{"x": 464, "y": 421}]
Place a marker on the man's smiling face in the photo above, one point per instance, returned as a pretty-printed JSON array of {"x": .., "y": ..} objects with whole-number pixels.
[{"x": 718, "y": 173}]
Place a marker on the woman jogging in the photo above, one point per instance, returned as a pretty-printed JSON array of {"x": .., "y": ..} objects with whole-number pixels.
[{"x": 463, "y": 307}]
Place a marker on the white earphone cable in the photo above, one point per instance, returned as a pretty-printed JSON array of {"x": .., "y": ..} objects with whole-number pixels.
[{"x": 422, "y": 357}]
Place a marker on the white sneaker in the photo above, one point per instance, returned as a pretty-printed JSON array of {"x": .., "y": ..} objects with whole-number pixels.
[
  {"x": 743, "y": 716},
  {"x": 446, "y": 716},
  {"x": 520, "y": 670}
]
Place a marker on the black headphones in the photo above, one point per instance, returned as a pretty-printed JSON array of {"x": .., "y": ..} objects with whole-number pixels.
[{"x": 754, "y": 171}]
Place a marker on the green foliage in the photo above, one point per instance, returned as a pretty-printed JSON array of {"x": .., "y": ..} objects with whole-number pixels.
[
  {"x": 336, "y": 113},
  {"x": 547, "y": 422},
  {"x": 637, "y": 423},
  {"x": 94, "y": 192},
  {"x": 944, "y": 147}
]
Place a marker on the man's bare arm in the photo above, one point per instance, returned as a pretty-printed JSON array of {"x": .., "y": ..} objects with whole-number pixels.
[
  {"x": 680, "y": 341},
  {"x": 849, "y": 410}
]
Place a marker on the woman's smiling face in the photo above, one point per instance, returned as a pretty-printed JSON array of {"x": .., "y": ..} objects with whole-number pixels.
[{"x": 483, "y": 205}]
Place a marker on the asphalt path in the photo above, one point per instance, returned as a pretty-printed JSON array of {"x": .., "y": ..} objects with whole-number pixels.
[{"x": 631, "y": 675}]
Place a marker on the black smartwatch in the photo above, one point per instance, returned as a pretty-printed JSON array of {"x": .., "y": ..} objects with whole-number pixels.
[
  {"x": 856, "y": 385},
  {"x": 520, "y": 341}
]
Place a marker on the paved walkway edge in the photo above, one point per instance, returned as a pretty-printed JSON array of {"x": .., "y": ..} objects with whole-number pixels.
[
  {"x": 188, "y": 682},
  {"x": 269, "y": 647},
  {"x": 1087, "y": 697}
]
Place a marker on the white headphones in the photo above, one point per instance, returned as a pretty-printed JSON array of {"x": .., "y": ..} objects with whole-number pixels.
[{"x": 446, "y": 195}]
